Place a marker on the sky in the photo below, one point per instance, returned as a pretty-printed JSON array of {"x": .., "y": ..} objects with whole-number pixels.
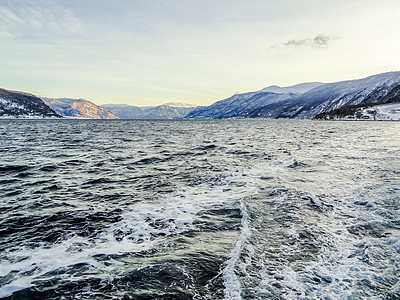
[{"x": 148, "y": 52}]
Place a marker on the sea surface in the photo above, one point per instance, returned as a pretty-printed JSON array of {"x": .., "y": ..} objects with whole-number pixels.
[{"x": 218, "y": 209}]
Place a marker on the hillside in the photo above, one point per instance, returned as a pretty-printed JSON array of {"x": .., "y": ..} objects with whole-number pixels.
[
  {"x": 15, "y": 104},
  {"x": 172, "y": 110},
  {"x": 242, "y": 105},
  {"x": 78, "y": 108},
  {"x": 375, "y": 112},
  {"x": 377, "y": 89}
]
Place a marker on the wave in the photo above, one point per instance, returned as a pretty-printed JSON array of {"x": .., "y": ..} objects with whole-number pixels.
[
  {"x": 232, "y": 282},
  {"x": 303, "y": 240},
  {"x": 143, "y": 227}
]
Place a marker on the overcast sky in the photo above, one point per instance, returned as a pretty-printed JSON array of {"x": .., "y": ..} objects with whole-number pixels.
[{"x": 148, "y": 52}]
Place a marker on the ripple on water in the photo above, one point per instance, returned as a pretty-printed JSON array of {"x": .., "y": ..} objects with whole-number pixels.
[{"x": 250, "y": 209}]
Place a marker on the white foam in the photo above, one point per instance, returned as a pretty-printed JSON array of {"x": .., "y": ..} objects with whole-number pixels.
[
  {"x": 231, "y": 281},
  {"x": 344, "y": 261},
  {"x": 142, "y": 228}
]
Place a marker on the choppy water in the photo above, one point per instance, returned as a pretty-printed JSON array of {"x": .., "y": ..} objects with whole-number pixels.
[{"x": 231, "y": 209}]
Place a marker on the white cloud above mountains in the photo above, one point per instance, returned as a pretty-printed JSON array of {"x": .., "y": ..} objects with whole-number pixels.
[{"x": 320, "y": 41}]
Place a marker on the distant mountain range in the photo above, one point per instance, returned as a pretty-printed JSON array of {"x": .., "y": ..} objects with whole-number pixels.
[
  {"x": 377, "y": 89},
  {"x": 340, "y": 100},
  {"x": 304, "y": 101},
  {"x": 15, "y": 104},
  {"x": 171, "y": 110},
  {"x": 242, "y": 105},
  {"x": 78, "y": 108}
]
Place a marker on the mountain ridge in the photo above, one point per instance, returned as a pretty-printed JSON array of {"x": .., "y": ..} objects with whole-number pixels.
[
  {"x": 241, "y": 105},
  {"x": 78, "y": 108},
  {"x": 295, "y": 89},
  {"x": 301, "y": 101},
  {"x": 16, "y": 104},
  {"x": 177, "y": 110},
  {"x": 304, "y": 100},
  {"x": 330, "y": 96}
]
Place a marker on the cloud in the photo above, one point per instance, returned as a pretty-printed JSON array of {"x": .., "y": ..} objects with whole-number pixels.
[
  {"x": 32, "y": 20},
  {"x": 297, "y": 43},
  {"x": 320, "y": 41}
]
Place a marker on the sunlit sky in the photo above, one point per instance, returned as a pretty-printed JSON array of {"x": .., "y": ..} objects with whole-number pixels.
[{"x": 148, "y": 52}]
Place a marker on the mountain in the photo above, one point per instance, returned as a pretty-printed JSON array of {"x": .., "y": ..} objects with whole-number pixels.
[
  {"x": 350, "y": 99},
  {"x": 294, "y": 89},
  {"x": 124, "y": 111},
  {"x": 379, "y": 89},
  {"x": 78, "y": 108},
  {"x": 172, "y": 110},
  {"x": 23, "y": 105},
  {"x": 378, "y": 112},
  {"x": 179, "y": 104},
  {"x": 241, "y": 105},
  {"x": 237, "y": 106},
  {"x": 168, "y": 112}
]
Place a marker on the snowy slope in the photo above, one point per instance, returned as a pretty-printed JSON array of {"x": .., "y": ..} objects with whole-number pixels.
[
  {"x": 124, "y": 111},
  {"x": 295, "y": 89},
  {"x": 237, "y": 106},
  {"x": 241, "y": 105},
  {"x": 168, "y": 112},
  {"x": 387, "y": 112},
  {"x": 380, "y": 112},
  {"x": 23, "y": 105},
  {"x": 171, "y": 110},
  {"x": 381, "y": 88}
]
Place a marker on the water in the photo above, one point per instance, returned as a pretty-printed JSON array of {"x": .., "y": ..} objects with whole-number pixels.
[{"x": 229, "y": 209}]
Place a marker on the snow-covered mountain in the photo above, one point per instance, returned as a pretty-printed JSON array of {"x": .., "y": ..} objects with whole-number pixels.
[
  {"x": 78, "y": 108},
  {"x": 381, "y": 88},
  {"x": 168, "y": 112},
  {"x": 237, "y": 106},
  {"x": 180, "y": 104},
  {"x": 377, "y": 112},
  {"x": 124, "y": 111},
  {"x": 241, "y": 105},
  {"x": 294, "y": 89},
  {"x": 15, "y": 104},
  {"x": 302, "y": 101},
  {"x": 305, "y": 100},
  {"x": 172, "y": 110}
]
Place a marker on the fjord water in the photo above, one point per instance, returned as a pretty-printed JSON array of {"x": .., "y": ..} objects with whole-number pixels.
[{"x": 223, "y": 209}]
